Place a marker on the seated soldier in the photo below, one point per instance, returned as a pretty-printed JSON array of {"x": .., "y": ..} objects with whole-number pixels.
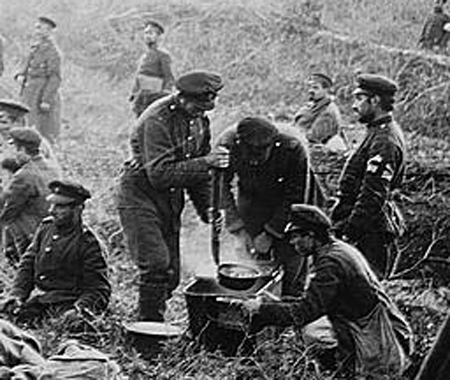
[
  {"x": 373, "y": 338},
  {"x": 64, "y": 263}
]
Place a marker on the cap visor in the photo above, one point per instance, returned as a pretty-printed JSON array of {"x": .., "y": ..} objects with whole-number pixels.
[{"x": 60, "y": 199}]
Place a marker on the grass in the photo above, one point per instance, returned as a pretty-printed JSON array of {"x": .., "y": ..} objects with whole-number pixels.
[{"x": 264, "y": 50}]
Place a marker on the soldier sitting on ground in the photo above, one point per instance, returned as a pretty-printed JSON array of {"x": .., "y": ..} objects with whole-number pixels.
[{"x": 64, "y": 264}]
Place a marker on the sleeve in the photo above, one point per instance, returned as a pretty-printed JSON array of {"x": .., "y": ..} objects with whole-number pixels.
[
  {"x": 318, "y": 299},
  {"x": 95, "y": 286},
  {"x": 53, "y": 76},
  {"x": 381, "y": 168},
  {"x": 295, "y": 184},
  {"x": 166, "y": 67},
  {"x": 16, "y": 197},
  {"x": 24, "y": 280},
  {"x": 323, "y": 128},
  {"x": 233, "y": 221},
  {"x": 163, "y": 168},
  {"x": 135, "y": 89}
]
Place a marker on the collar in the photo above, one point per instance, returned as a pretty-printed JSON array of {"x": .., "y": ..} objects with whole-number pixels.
[{"x": 382, "y": 120}]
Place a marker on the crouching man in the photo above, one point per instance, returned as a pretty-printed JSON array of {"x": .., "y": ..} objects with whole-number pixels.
[
  {"x": 374, "y": 339},
  {"x": 64, "y": 265}
]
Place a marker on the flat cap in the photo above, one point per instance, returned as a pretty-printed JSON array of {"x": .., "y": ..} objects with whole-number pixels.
[
  {"x": 198, "y": 83},
  {"x": 376, "y": 84},
  {"x": 48, "y": 21},
  {"x": 323, "y": 79},
  {"x": 67, "y": 192},
  {"x": 256, "y": 131},
  {"x": 13, "y": 106},
  {"x": 25, "y": 135},
  {"x": 154, "y": 24},
  {"x": 307, "y": 218}
]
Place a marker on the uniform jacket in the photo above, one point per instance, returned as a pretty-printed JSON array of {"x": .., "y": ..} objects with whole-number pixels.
[
  {"x": 319, "y": 120},
  {"x": 64, "y": 266},
  {"x": 155, "y": 63},
  {"x": 370, "y": 175},
  {"x": 346, "y": 290},
  {"x": 168, "y": 149},
  {"x": 266, "y": 192},
  {"x": 42, "y": 72},
  {"x": 433, "y": 33},
  {"x": 24, "y": 203}
]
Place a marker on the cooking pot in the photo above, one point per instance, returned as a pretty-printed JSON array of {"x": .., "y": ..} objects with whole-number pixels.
[{"x": 238, "y": 276}]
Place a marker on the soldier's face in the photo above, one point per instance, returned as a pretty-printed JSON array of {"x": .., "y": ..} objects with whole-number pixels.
[
  {"x": 256, "y": 155},
  {"x": 316, "y": 91},
  {"x": 151, "y": 35},
  {"x": 303, "y": 242},
  {"x": 363, "y": 106},
  {"x": 41, "y": 30},
  {"x": 64, "y": 215}
]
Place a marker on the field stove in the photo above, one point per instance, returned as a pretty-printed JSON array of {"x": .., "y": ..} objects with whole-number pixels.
[{"x": 217, "y": 319}]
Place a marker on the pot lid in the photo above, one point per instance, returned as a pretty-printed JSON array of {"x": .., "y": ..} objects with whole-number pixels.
[{"x": 160, "y": 329}]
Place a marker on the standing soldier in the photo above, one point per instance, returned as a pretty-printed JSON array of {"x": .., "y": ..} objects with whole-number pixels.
[
  {"x": 436, "y": 31},
  {"x": 320, "y": 118},
  {"x": 272, "y": 171},
  {"x": 171, "y": 155},
  {"x": 365, "y": 212},
  {"x": 23, "y": 201},
  {"x": 154, "y": 77},
  {"x": 40, "y": 78}
]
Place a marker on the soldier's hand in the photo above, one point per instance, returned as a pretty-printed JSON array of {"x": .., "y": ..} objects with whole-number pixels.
[
  {"x": 45, "y": 107},
  {"x": 245, "y": 241},
  {"x": 20, "y": 78},
  {"x": 263, "y": 242},
  {"x": 219, "y": 158},
  {"x": 216, "y": 218}
]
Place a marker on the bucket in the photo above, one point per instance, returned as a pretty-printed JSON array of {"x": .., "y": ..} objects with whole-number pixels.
[{"x": 216, "y": 320}]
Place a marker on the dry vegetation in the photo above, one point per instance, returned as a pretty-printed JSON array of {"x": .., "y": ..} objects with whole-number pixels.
[{"x": 264, "y": 50}]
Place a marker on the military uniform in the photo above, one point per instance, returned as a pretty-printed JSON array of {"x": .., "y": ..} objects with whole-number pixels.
[
  {"x": 24, "y": 203},
  {"x": 370, "y": 175},
  {"x": 65, "y": 267},
  {"x": 168, "y": 148},
  {"x": 42, "y": 73},
  {"x": 433, "y": 34},
  {"x": 265, "y": 193},
  {"x": 320, "y": 120},
  {"x": 155, "y": 63}
]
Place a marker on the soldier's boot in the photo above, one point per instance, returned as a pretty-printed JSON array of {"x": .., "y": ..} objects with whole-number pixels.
[{"x": 152, "y": 302}]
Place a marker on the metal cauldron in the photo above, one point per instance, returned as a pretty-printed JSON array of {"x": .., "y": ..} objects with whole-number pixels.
[{"x": 238, "y": 276}]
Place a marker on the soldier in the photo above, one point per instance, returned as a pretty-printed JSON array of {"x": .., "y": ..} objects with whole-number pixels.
[
  {"x": 273, "y": 172},
  {"x": 366, "y": 213},
  {"x": 154, "y": 77},
  {"x": 65, "y": 263},
  {"x": 171, "y": 154},
  {"x": 320, "y": 118},
  {"x": 436, "y": 30},
  {"x": 374, "y": 339},
  {"x": 40, "y": 78},
  {"x": 12, "y": 114},
  {"x": 24, "y": 198}
]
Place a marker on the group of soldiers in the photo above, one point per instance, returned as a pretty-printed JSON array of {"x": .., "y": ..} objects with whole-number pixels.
[{"x": 333, "y": 259}]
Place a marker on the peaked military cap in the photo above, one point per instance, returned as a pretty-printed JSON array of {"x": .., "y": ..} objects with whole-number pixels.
[
  {"x": 67, "y": 192},
  {"x": 25, "y": 135},
  {"x": 256, "y": 131},
  {"x": 198, "y": 83},
  {"x": 13, "y": 106},
  {"x": 307, "y": 218},
  {"x": 48, "y": 21},
  {"x": 155, "y": 25},
  {"x": 325, "y": 80},
  {"x": 376, "y": 84}
]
